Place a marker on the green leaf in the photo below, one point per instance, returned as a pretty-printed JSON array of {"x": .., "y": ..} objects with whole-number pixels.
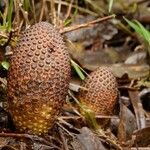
[
  {"x": 146, "y": 33},
  {"x": 134, "y": 26},
  {"x": 110, "y": 5},
  {"x": 67, "y": 22},
  {"x": 78, "y": 69},
  {"x": 90, "y": 117},
  {"x": 141, "y": 30},
  {"x": 5, "y": 65}
]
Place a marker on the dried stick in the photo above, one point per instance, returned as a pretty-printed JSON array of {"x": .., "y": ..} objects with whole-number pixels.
[
  {"x": 69, "y": 10},
  {"x": 17, "y": 19},
  {"x": 33, "y": 6},
  {"x": 59, "y": 9},
  {"x": 42, "y": 10},
  {"x": 79, "y": 117},
  {"x": 113, "y": 142},
  {"x": 65, "y": 146},
  {"x": 85, "y": 25},
  {"x": 74, "y": 6},
  {"x": 65, "y": 130},
  {"x": 59, "y": 21},
  {"x": 53, "y": 12},
  {"x": 25, "y": 136},
  {"x": 25, "y": 15}
]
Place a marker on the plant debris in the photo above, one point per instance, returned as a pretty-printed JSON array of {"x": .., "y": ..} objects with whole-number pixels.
[{"x": 97, "y": 33}]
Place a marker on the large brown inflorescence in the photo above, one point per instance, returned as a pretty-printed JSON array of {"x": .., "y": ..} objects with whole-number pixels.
[
  {"x": 101, "y": 94},
  {"x": 38, "y": 79}
]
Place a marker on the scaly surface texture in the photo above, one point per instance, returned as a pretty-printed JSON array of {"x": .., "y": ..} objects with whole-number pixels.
[
  {"x": 38, "y": 79},
  {"x": 102, "y": 92}
]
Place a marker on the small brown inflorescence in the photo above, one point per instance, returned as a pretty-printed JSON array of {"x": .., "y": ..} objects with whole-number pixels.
[
  {"x": 101, "y": 94},
  {"x": 38, "y": 78}
]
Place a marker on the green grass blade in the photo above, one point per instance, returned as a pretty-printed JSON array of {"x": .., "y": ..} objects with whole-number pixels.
[
  {"x": 134, "y": 26},
  {"x": 9, "y": 15},
  {"x": 78, "y": 69},
  {"x": 26, "y": 5},
  {"x": 141, "y": 30},
  {"x": 67, "y": 22},
  {"x": 110, "y": 5},
  {"x": 145, "y": 32}
]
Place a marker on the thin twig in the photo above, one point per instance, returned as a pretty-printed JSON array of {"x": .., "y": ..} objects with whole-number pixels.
[
  {"x": 70, "y": 126},
  {"x": 63, "y": 139},
  {"x": 95, "y": 6},
  {"x": 65, "y": 130},
  {"x": 33, "y": 6},
  {"x": 59, "y": 9},
  {"x": 113, "y": 142},
  {"x": 79, "y": 8},
  {"x": 59, "y": 22},
  {"x": 17, "y": 18},
  {"x": 42, "y": 10},
  {"x": 27, "y": 136},
  {"x": 85, "y": 25},
  {"x": 69, "y": 10},
  {"x": 78, "y": 117},
  {"x": 53, "y": 12},
  {"x": 25, "y": 15}
]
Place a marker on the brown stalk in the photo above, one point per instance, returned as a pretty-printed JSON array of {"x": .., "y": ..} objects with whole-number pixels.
[
  {"x": 69, "y": 10},
  {"x": 85, "y": 25}
]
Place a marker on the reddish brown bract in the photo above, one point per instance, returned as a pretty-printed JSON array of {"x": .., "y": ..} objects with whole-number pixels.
[
  {"x": 102, "y": 92},
  {"x": 38, "y": 79}
]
